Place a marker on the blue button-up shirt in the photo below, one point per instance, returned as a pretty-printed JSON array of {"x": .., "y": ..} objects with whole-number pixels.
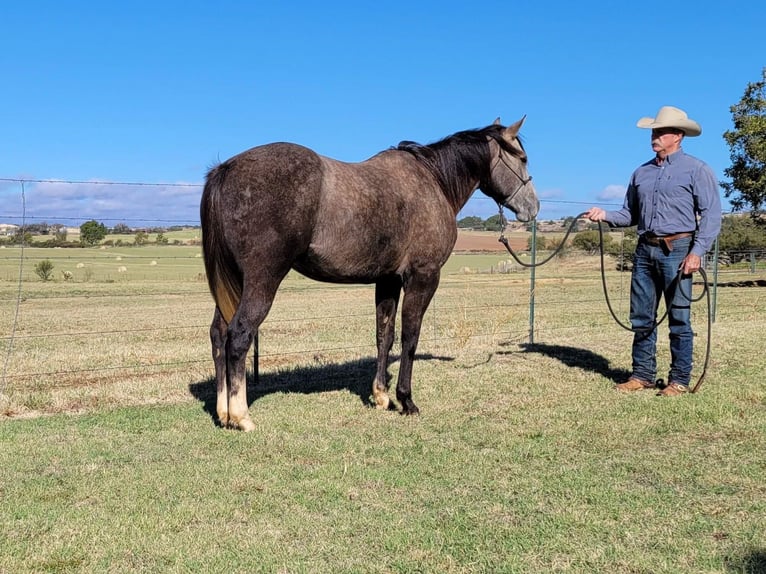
[{"x": 679, "y": 195}]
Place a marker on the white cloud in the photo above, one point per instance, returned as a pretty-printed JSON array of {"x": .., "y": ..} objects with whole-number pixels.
[
  {"x": 111, "y": 203},
  {"x": 550, "y": 194},
  {"x": 612, "y": 192}
]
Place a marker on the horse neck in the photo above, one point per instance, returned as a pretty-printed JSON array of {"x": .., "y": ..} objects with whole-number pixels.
[{"x": 459, "y": 175}]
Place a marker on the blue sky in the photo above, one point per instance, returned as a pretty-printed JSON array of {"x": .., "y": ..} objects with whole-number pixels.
[{"x": 158, "y": 92}]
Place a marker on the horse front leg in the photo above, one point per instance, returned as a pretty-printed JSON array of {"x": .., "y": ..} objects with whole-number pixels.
[
  {"x": 218, "y": 344},
  {"x": 387, "y": 292},
  {"x": 417, "y": 295}
]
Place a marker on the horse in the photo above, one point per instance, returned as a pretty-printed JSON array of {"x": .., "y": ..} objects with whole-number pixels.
[{"x": 389, "y": 220}]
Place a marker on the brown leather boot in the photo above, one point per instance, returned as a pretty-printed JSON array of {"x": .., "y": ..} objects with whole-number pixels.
[
  {"x": 673, "y": 390},
  {"x": 634, "y": 384}
]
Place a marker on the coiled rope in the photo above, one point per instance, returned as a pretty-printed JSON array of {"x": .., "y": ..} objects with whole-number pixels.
[{"x": 677, "y": 281}]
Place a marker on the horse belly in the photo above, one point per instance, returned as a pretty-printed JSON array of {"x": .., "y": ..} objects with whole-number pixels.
[{"x": 347, "y": 262}]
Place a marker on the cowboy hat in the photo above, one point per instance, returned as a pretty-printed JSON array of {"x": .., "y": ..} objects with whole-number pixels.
[{"x": 670, "y": 117}]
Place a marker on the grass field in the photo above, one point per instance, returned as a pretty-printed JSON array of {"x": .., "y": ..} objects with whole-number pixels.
[{"x": 523, "y": 459}]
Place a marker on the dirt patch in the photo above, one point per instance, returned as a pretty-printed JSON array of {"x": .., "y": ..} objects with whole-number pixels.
[{"x": 487, "y": 241}]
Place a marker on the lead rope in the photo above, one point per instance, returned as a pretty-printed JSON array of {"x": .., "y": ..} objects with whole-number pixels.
[{"x": 705, "y": 290}]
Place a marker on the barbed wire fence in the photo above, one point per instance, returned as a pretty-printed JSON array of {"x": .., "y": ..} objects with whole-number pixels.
[{"x": 20, "y": 215}]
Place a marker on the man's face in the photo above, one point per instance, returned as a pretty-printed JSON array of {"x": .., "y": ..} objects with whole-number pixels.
[{"x": 666, "y": 140}]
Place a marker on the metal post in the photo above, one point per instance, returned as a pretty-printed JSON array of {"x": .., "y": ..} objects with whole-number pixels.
[
  {"x": 532, "y": 285},
  {"x": 715, "y": 281},
  {"x": 255, "y": 359}
]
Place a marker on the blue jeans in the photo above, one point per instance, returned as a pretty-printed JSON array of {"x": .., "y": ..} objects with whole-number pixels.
[{"x": 655, "y": 273}]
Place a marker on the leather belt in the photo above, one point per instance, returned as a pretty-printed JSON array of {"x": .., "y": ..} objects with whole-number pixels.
[{"x": 665, "y": 240}]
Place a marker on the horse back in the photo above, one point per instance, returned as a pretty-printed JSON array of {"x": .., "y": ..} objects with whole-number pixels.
[{"x": 378, "y": 217}]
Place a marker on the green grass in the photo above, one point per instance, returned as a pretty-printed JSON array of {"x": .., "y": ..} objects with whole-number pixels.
[{"x": 523, "y": 458}]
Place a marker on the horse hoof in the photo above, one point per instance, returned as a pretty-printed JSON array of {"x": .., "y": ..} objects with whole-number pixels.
[
  {"x": 382, "y": 401},
  {"x": 245, "y": 425},
  {"x": 410, "y": 409}
]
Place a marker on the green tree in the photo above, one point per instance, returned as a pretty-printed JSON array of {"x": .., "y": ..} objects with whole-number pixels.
[
  {"x": 589, "y": 241},
  {"x": 91, "y": 232},
  {"x": 623, "y": 251},
  {"x": 494, "y": 223},
  {"x": 44, "y": 270},
  {"x": 741, "y": 234},
  {"x": 142, "y": 237},
  {"x": 21, "y": 237},
  {"x": 747, "y": 144},
  {"x": 161, "y": 239},
  {"x": 471, "y": 222}
]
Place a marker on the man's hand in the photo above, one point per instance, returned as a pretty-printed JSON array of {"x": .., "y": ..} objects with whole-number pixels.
[
  {"x": 690, "y": 264},
  {"x": 595, "y": 214}
]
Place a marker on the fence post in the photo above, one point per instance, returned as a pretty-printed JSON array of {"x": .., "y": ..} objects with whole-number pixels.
[
  {"x": 715, "y": 280},
  {"x": 256, "y": 360},
  {"x": 532, "y": 285}
]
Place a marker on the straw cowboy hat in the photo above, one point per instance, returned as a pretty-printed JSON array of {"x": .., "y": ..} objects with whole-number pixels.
[{"x": 670, "y": 117}]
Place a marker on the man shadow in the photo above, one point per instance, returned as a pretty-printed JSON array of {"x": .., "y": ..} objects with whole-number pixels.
[
  {"x": 579, "y": 358},
  {"x": 356, "y": 377}
]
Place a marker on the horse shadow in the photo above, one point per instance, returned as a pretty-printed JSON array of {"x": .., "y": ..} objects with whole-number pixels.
[
  {"x": 579, "y": 358},
  {"x": 751, "y": 562},
  {"x": 353, "y": 376}
]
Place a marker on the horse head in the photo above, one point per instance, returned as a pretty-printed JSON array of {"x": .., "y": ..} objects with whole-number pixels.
[{"x": 509, "y": 182}]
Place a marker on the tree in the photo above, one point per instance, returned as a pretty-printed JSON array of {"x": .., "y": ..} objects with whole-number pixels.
[
  {"x": 142, "y": 237},
  {"x": 91, "y": 232},
  {"x": 21, "y": 237},
  {"x": 590, "y": 241},
  {"x": 471, "y": 222},
  {"x": 494, "y": 223},
  {"x": 747, "y": 144},
  {"x": 741, "y": 234},
  {"x": 121, "y": 229}
]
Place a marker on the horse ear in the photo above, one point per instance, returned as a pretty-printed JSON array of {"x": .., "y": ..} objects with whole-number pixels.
[
  {"x": 496, "y": 122},
  {"x": 512, "y": 132}
]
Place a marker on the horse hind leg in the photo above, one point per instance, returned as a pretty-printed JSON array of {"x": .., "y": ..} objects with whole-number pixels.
[
  {"x": 252, "y": 310},
  {"x": 218, "y": 343},
  {"x": 387, "y": 294},
  {"x": 238, "y": 341}
]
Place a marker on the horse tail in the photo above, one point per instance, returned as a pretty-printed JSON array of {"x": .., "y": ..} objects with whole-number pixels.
[{"x": 224, "y": 277}]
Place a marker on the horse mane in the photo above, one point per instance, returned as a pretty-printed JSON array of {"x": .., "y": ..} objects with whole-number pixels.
[{"x": 458, "y": 160}]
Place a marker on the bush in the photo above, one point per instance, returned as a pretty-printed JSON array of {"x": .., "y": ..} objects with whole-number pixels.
[
  {"x": 44, "y": 270},
  {"x": 589, "y": 241}
]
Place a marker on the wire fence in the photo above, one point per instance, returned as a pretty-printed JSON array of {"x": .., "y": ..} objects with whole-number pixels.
[{"x": 151, "y": 320}]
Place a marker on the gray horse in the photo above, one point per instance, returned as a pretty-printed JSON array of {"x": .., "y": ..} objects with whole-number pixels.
[{"x": 389, "y": 220}]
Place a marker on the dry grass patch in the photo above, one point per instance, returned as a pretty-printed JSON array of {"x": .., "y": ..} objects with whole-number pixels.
[{"x": 523, "y": 459}]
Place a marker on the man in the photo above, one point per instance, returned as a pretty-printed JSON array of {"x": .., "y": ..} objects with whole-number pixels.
[{"x": 674, "y": 201}]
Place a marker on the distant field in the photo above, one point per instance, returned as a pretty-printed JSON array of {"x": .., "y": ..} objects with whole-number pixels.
[
  {"x": 94, "y": 264},
  {"x": 183, "y": 235}
]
